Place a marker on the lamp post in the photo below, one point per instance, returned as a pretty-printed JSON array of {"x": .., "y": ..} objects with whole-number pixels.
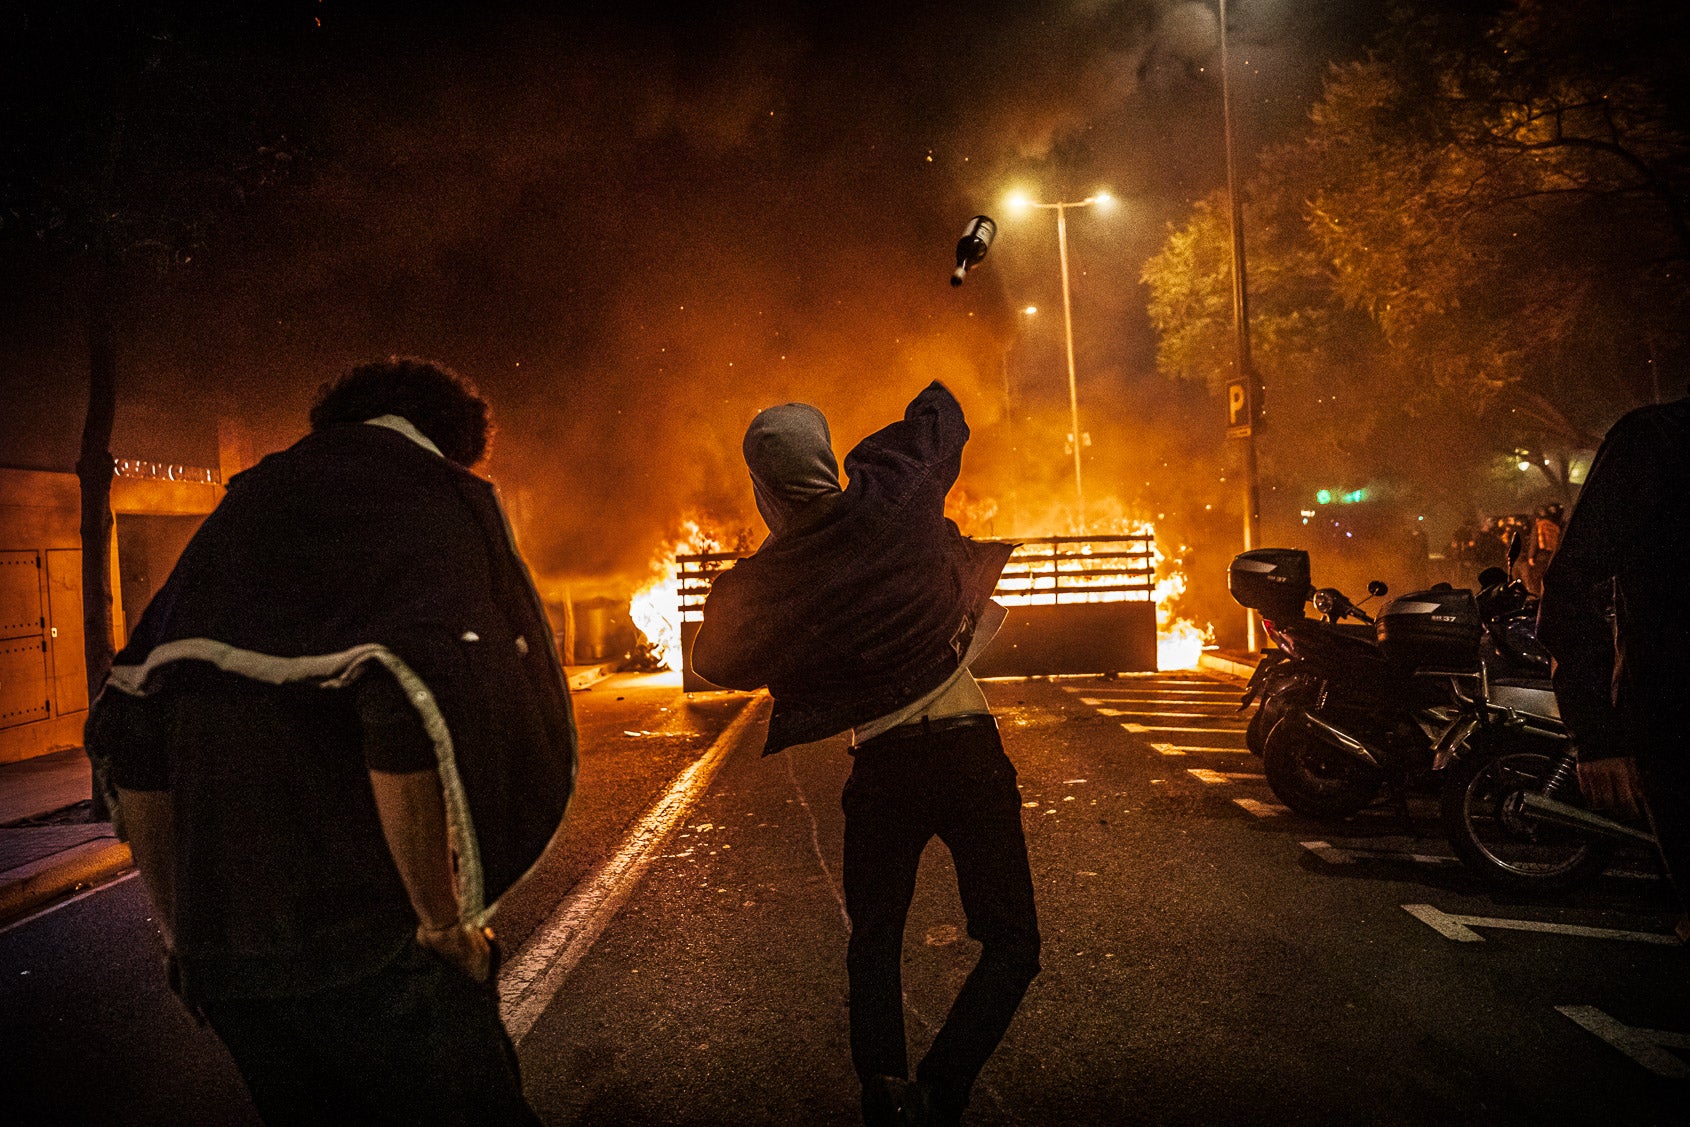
[
  {"x": 1245, "y": 369},
  {"x": 1017, "y": 203},
  {"x": 1009, "y": 424}
]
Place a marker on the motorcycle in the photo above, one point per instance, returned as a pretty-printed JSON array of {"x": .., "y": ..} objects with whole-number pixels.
[
  {"x": 1346, "y": 717},
  {"x": 1509, "y": 799},
  {"x": 1276, "y": 675}
]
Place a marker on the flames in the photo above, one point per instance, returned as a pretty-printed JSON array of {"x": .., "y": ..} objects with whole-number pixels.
[{"x": 655, "y": 608}]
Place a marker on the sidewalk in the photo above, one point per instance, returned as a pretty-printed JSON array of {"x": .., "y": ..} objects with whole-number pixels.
[
  {"x": 49, "y": 849},
  {"x": 1239, "y": 663}
]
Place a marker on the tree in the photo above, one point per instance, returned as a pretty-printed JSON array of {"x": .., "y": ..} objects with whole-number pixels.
[
  {"x": 1489, "y": 214},
  {"x": 134, "y": 128}
]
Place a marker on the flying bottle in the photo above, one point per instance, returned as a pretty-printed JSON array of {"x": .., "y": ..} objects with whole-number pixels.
[{"x": 971, "y": 248}]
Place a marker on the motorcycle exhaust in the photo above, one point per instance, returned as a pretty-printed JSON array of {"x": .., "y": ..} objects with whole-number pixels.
[
  {"x": 1345, "y": 741},
  {"x": 1542, "y": 809}
]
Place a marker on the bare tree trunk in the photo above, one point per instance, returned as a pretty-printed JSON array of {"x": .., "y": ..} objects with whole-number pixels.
[{"x": 94, "y": 471}]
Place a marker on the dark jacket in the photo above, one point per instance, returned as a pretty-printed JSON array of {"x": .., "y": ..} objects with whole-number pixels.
[
  {"x": 1626, "y": 550},
  {"x": 868, "y": 600},
  {"x": 353, "y": 554}
]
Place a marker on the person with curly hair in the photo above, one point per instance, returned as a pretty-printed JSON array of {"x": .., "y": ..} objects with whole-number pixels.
[{"x": 338, "y": 735}]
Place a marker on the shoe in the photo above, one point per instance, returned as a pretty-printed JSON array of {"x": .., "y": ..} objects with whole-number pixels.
[
  {"x": 884, "y": 1101},
  {"x": 928, "y": 1105}
]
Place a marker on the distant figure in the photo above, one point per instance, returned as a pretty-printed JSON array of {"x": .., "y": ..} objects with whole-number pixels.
[
  {"x": 863, "y": 610},
  {"x": 1622, "y": 685},
  {"x": 1545, "y": 540},
  {"x": 338, "y": 735}
]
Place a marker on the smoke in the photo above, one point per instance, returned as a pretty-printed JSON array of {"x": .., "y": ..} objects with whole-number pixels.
[{"x": 633, "y": 230}]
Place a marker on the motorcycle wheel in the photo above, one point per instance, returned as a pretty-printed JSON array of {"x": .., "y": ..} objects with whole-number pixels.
[
  {"x": 1480, "y": 804},
  {"x": 1261, "y": 723},
  {"x": 1311, "y": 776},
  {"x": 1276, "y": 699}
]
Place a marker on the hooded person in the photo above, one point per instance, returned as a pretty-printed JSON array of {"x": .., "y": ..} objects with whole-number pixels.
[
  {"x": 339, "y": 733},
  {"x": 863, "y": 611}
]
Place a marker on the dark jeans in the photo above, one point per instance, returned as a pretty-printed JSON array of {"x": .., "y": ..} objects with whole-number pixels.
[
  {"x": 417, "y": 1042},
  {"x": 905, "y": 788}
]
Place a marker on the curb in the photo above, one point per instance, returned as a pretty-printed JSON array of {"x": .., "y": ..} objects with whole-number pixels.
[
  {"x": 30, "y": 886},
  {"x": 1233, "y": 665},
  {"x": 588, "y": 676}
]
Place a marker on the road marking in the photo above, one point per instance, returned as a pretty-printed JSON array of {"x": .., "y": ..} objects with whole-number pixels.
[
  {"x": 1460, "y": 928},
  {"x": 1160, "y": 690},
  {"x": 1261, "y": 809},
  {"x": 1140, "y": 729},
  {"x": 1184, "y": 749},
  {"x": 83, "y": 895},
  {"x": 1104, "y": 702},
  {"x": 1645, "y": 1046},
  {"x": 532, "y": 978},
  {"x": 1216, "y": 778},
  {"x": 1161, "y": 714},
  {"x": 1341, "y": 855}
]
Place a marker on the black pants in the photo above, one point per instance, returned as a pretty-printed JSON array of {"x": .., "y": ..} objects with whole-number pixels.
[
  {"x": 417, "y": 1042},
  {"x": 905, "y": 788}
]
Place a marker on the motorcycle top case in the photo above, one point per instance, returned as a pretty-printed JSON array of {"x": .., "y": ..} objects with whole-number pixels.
[
  {"x": 1436, "y": 629},
  {"x": 1274, "y": 581}
]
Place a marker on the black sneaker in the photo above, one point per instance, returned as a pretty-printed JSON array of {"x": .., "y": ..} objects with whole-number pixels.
[{"x": 885, "y": 1100}]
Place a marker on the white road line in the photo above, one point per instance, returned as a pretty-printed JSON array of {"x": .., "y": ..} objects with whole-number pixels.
[
  {"x": 83, "y": 895},
  {"x": 1097, "y": 702},
  {"x": 1645, "y": 1046},
  {"x": 1261, "y": 809},
  {"x": 1185, "y": 749},
  {"x": 1217, "y": 778},
  {"x": 1140, "y": 729},
  {"x": 1339, "y": 855},
  {"x": 533, "y": 977},
  {"x": 1460, "y": 928},
  {"x": 1161, "y": 714},
  {"x": 1188, "y": 690}
]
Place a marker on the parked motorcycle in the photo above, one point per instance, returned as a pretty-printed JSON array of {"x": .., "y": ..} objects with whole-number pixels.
[
  {"x": 1349, "y": 717},
  {"x": 1509, "y": 797},
  {"x": 1276, "y": 677}
]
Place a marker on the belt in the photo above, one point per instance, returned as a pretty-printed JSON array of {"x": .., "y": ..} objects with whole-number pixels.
[{"x": 926, "y": 726}]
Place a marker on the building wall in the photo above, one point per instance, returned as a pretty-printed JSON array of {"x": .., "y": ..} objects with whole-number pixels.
[{"x": 43, "y": 679}]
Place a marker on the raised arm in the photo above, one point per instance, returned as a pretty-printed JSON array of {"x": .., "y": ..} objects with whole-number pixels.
[{"x": 917, "y": 458}]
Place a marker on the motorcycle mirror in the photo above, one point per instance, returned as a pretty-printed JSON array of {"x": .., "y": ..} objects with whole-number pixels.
[
  {"x": 1492, "y": 577},
  {"x": 1376, "y": 589},
  {"x": 1516, "y": 548}
]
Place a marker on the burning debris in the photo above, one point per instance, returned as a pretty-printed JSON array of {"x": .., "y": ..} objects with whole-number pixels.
[{"x": 1045, "y": 572}]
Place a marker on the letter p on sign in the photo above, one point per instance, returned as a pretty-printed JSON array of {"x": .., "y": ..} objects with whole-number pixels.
[{"x": 1237, "y": 409}]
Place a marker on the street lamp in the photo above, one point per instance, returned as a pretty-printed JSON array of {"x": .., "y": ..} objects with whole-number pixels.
[
  {"x": 1019, "y": 203},
  {"x": 1245, "y": 370}
]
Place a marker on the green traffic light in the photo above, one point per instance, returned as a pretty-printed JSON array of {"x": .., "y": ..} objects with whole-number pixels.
[{"x": 1324, "y": 496}]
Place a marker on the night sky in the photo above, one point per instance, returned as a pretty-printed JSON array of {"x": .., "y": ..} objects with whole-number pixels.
[{"x": 633, "y": 228}]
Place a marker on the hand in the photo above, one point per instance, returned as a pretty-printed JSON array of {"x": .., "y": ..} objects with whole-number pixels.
[
  {"x": 468, "y": 948},
  {"x": 1613, "y": 784}
]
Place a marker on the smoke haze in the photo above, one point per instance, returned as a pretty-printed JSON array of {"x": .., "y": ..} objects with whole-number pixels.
[{"x": 634, "y": 228}]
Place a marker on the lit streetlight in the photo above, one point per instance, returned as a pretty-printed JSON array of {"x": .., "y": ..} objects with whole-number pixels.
[{"x": 1019, "y": 203}]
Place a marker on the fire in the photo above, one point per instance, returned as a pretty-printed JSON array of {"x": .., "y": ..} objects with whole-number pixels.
[
  {"x": 655, "y": 607},
  {"x": 1179, "y": 641}
]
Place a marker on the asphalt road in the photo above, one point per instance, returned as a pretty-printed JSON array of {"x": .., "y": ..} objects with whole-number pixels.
[{"x": 1209, "y": 958}]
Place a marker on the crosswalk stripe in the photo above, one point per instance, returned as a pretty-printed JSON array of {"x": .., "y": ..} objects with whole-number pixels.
[
  {"x": 1261, "y": 809},
  {"x": 1182, "y": 749},
  {"x": 1217, "y": 778},
  {"x": 1140, "y": 729}
]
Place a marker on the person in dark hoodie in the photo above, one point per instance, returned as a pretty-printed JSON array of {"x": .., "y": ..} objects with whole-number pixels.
[
  {"x": 863, "y": 611},
  {"x": 1616, "y": 616},
  {"x": 338, "y": 734}
]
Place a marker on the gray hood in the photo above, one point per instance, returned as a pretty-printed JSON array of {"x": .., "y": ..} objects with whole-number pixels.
[{"x": 790, "y": 456}]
